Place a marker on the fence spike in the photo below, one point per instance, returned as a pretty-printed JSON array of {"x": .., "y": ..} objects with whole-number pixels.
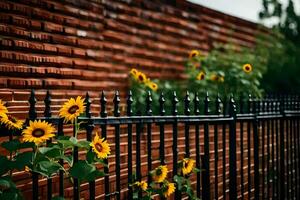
[
  {"x": 250, "y": 103},
  {"x": 103, "y": 101},
  {"x": 88, "y": 105},
  {"x": 148, "y": 103},
  {"x": 218, "y": 105},
  {"x": 47, "y": 101},
  {"x": 174, "y": 104},
  {"x": 116, "y": 104},
  {"x": 129, "y": 103},
  {"x": 187, "y": 101},
  {"x": 232, "y": 106},
  {"x": 162, "y": 104},
  {"x": 196, "y": 104},
  {"x": 32, "y": 102},
  {"x": 206, "y": 104}
]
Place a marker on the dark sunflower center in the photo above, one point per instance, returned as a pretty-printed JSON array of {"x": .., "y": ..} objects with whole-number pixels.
[
  {"x": 158, "y": 172},
  {"x": 73, "y": 109},
  {"x": 194, "y": 54},
  {"x": 141, "y": 78},
  {"x": 247, "y": 68},
  {"x": 98, "y": 147},
  {"x": 38, "y": 132},
  {"x": 202, "y": 76}
]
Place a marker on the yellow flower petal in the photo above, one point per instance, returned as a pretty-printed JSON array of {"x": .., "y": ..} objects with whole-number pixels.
[
  {"x": 101, "y": 147},
  {"x": 72, "y": 109}
]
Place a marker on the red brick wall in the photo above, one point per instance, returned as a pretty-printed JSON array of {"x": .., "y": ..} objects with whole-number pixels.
[{"x": 73, "y": 46}]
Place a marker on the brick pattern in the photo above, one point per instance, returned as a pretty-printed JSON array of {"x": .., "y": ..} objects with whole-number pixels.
[{"x": 73, "y": 46}]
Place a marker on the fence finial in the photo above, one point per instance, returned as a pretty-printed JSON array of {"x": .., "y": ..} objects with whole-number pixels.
[
  {"x": 206, "y": 104},
  {"x": 129, "y": 103},
  {"x": 148, "y": 103},
  {"x": 196, "y": 104},
  {"x": 218, "y": 105},
  {"x": 32, "y": 101},
  {"x": 47, "y": 101},
  {"x": 88, "y": 105},
  {"x": 103, "y": 102},
  {"x": 187, "y": 101},
  {"x": 162, "y": 104},
  {"x": 232, "y": 106},
  {"x": 174, "y": 104},
  {"x": 116, "y": 104},
  {"x": 250, "y": 103}
]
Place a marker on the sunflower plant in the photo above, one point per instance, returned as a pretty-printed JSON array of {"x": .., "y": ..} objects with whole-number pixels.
[
  {"x": 186, "y": 167},
  {"x": 225, "y": 70},
  {"x": 96, "y": 151}
]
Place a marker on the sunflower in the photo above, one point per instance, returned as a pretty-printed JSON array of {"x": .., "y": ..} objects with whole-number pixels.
[
  {"x": 247, "y": 68},
  {"x": 201, "y": 76},
  {"x": 141, "y": 77},
  {"x": 134, "y": 73},
  {"x": 187, "y": 165},
  {"x": 160, "y": 173},
  {"x": 11, "y": 122},
  {"x": 72, "y": 109},
  {"x": 194, "y": 53},
  {"x": 153, "y": 86},
  {"x": 143, "y": 185},
  {"x": 215, "y": 77},
  {"x": 168, "y": 189},
  {"x": 101, "y": 147},
  {"x": 3, "y": 109},
  {"x": 38, "y": 132}
]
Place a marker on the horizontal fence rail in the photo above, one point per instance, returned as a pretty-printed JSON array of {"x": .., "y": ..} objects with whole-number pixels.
[{"x": 245, "y": 149}]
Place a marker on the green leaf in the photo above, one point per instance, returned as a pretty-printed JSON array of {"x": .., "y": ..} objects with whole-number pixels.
[
  {"x": 85, "y": 171},
  {"x": 51, "y": 152},
  {"x": 5, "y": 165},
  {"x": 48, "y": 168},
  {"x": 22, "y": 160},
  {"x": 11, "y": 146},
  {"x": 69, "y": 158},
  {"x": 4, "y": 183},
  {"x": 84, "y": 144},
  {"x": 58, "y": 198}
]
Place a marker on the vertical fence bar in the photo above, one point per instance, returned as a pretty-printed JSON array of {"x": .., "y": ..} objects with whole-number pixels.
[
  {"x": 288, "y": 161},
  {"x": 206, "y": 168},
  {"x": 282, "y": 147},
  {"x": 298, "y": 150},
  {"x": 47, "y": 115},
  {"x": 256, "y": 151},
  {"x": 117, "y": 143},
  {"x": 249, "y": 146},
  {"x": 232, "y": 151},
  {"x": 263, "y": 136},
  {"x": 272, "y": 110},
  {"x": 89, "y": 129},
  {"x": 162, "y": 112},
  {"x": 224, "y": 150},
  {"x": 149, "y": 135},
  {"x": 197, "y": 138},
  {"x": 76, "y": 184},
  {"x": 129, "y": 130},
  {"x": 187, "y": 112},
  {"x": 216, "y": 145},
  {"x": 268, "y": 150},
  {"x": 103, "y": 114},
  {"x": 32, "y": 116},
  {"x": 241, "y": 107},
  {"x": 175, "y": 138}
]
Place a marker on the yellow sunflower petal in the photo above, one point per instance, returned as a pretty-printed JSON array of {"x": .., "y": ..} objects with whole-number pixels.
[
  {"x": 169, "y": 189},
  {"x": 38, "y": 132},
  {"x": 247, "y": 68},
  {"x": 201, "y": 76},
  {"x": 3, "y": 109},
  {"x": 160, "y": 173},
  {"x": 72, "y": 109},
  {"x": 194, "y": 53},
  {"x": 11, "y": 122},
  {"x": 101, "y": 147}
]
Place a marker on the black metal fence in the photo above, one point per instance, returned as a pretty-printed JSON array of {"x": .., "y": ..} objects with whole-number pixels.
[{"x": 262, "y": 136}]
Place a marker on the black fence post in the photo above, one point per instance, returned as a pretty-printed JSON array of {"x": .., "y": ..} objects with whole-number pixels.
[
  {"x": 33, "y": 116},
  {"x": 149, "y": 135},
  {"x": 89, "y": 131},
  {"x": 103, "y": 114},
  {"x": 282, "y": 151},
  {"x": 47, "y": 115},
  {"x": 162, "y": 130},
  {"x": 232, "y": 151},
  {"x": 129, "y": 130},
  {"x": 205, "y": 163},
  {"x": 187, "y": 112},
  {"x": 256, "y": 149}
]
